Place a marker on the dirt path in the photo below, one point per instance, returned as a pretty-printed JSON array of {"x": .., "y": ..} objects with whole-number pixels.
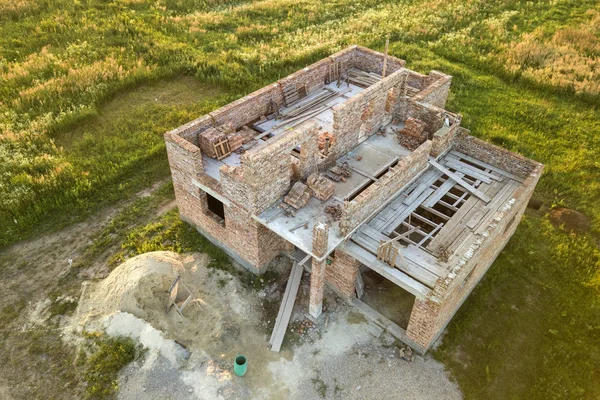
[{"x": 31, "y": 272}]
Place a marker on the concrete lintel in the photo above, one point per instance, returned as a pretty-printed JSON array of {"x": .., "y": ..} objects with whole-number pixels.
[
  {"x": 211, "y": 192},
  {"x": 298, "y": 245}
]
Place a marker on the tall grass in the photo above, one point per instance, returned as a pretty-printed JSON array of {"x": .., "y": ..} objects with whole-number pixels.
[{"x": 60, "y": 60}]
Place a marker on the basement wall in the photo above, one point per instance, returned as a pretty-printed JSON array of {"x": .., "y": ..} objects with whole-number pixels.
[{"x": 381, "y": 192}]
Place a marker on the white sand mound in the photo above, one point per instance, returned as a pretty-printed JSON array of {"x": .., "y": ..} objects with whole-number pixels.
[
  {"x": 139, "y": 287},
  {"x": 131, "y": 285}
]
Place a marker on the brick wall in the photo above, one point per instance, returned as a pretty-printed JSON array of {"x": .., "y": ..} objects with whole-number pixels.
[
  {"x": 185, "y": 160},
  {"x": 431, "y": 115},
  {"x": 248, "y": 108},
  {"x": 436, "y": 91},
  {"x": 372, "y": 61},
  {"x": 497, "y": 156},
  {"x": 191, "y": 130},
  {"x": 342, "y": 273},
  {"x": 364, "y": 112},
  {"x": 381, "y": 192},
  {"x": 266, "y": 170},
  {"x": 443, "y": 138}
]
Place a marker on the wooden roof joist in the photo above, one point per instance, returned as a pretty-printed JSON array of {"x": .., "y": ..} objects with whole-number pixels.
[
  {"x": 460, "y": 181},
  {"x": 394, "y": 275}
]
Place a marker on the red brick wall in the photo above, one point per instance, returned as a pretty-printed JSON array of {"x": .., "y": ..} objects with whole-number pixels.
[
  {"x": 378, "y": 194},
  {"x": 342, "y": 273}
]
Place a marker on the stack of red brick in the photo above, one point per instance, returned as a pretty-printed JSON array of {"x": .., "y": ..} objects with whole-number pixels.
[
  {"x": 322, "y": 188},
  {"x": 413, "y": 135},
  {"x": 298, "y": 195}
]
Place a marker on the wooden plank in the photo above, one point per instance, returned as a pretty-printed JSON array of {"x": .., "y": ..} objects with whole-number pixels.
[
  {"x": 430, "y": 234},
  {"x": 440, "y": 191},
  {"x": 502, "y": 197},
  {"x": 469, "y": 167},
  {"x": 394, "y": 275},
  {"x": 421, "y": 257},
  {"x": 360, "y": 286},
  {"x": 395, "y": 206},
  {"x": 422, "y": 184},
  {"x": 455, "y": 229},
  {"x": 415, "y": 270},
  {"x": 416, "y": 193},
  {"x": 393, "y": 223},
  {"x": 412, "y": 253},
  {"x": 450, "y": 229},
  {"x": 287, "y": 305},
  {"x": 385, "y": 58},
  {"x": 486, "y": 165},
  {"x": 468, "y": 170},
  {"x": 460, "y": 181}
]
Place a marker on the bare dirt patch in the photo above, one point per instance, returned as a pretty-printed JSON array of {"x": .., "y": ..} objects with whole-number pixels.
[
  {"x": 191, "y": 356},
  {"x": 37, "y": 279},
  {"x": 571, "y": 220}
]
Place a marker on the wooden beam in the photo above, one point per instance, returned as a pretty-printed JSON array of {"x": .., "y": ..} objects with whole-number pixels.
[
  {"x": 385, "y": 57},
  {"x": 486, "y": 165},
  {"x": 395, "y": 275},
  {"x": 287, "y": 305},
  {"x": 479, "y": 194}
]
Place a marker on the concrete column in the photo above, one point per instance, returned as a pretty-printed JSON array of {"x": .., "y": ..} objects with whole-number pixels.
[{"x": 317, "y": 277}]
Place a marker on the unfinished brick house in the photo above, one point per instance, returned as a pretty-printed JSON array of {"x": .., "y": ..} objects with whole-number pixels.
[{"x": 352, "y": 166}]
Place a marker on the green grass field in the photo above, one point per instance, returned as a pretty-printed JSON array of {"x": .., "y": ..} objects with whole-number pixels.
[{"x": 87, "y": 89}]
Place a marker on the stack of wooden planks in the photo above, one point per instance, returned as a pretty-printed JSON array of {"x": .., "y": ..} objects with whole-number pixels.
[
  {"x": 316, "y": 99},
  {"x": 362, "y": 78},
  {"x": 290, "y": 93}
]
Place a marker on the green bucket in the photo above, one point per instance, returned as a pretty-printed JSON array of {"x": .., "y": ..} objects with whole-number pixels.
[{"x": 240, "y": 365}]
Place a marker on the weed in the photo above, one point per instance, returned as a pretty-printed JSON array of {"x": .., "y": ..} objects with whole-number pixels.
[
  {"x": 320, "y": 385},
  {"x": 62, "y": 307},
  {"x": 104, "y": 364}
]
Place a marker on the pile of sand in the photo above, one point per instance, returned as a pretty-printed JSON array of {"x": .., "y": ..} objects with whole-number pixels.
[
  {"x": 132, "y": 285},
  {"x": 140, "y": 286}
]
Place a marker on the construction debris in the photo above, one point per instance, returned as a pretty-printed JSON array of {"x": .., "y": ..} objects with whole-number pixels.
[
  {"x": 413, "y": 134},
  {"x": 334, "y": 210},
  {"x": 322, "y": 188},
  {"x": 362, "y": 78},
  {"x": 287, "y": 209},
  {"x": 298, "y": 195},
  {"x": 207, "y": 141}
]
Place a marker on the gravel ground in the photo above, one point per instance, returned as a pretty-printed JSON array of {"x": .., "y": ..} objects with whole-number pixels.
[{"x": 342, "y": 357}]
